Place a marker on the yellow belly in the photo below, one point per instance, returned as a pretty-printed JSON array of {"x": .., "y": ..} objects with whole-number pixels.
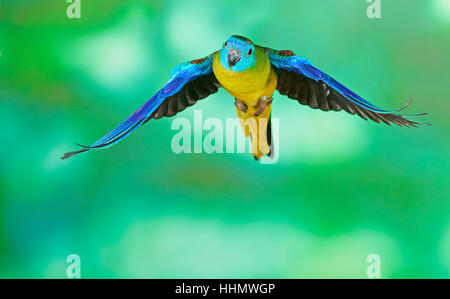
[{"x": 249, "y": 86}]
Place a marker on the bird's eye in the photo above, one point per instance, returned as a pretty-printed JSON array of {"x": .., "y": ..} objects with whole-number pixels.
[
  {"x": 250, "y": 52},
  {"x": 226, "y": 44}
]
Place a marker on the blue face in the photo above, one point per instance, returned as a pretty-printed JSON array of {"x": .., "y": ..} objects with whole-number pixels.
[{"x": 237, "y": 54}]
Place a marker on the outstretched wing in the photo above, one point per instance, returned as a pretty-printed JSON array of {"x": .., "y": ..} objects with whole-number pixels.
[
  {"x": 191, "y": 93},
  {"x": 189, "y": 82},
  {"x": 300, "y": 80}
]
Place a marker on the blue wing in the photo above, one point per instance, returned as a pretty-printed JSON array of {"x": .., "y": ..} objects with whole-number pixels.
[
  {"x": 183, "y": 76},
  {"x": 301, "y": 80}
]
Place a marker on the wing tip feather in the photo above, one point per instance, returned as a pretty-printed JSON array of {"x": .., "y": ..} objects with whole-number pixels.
[{"x": 74, "y": 153}]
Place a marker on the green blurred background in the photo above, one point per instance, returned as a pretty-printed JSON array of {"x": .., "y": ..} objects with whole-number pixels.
[{"x": 343, "y": 188}]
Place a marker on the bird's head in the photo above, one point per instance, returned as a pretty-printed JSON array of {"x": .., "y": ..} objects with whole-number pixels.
[{"x": 237, "y": 54}]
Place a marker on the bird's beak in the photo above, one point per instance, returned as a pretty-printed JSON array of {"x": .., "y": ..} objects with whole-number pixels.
[{"x": 233, "y": 57}]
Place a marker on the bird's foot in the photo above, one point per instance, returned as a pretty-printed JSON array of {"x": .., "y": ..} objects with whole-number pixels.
[
  {"x": 241, "y": 105},
  {"x": 262, "y": 104}
]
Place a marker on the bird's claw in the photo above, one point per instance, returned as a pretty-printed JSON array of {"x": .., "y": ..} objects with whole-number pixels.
[
  {"x": 241, "y": 105},
  {"x": 262, "y": 104}
]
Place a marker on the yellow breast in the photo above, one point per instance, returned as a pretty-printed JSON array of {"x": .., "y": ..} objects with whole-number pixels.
[{"x": 249, "y": 85}]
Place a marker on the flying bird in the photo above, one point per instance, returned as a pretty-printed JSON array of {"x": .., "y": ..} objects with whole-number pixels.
[{"x": 251, "y": 74}]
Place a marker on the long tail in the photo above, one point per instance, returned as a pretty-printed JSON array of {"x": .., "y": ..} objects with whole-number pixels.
[{"x": 259, "y": 129}]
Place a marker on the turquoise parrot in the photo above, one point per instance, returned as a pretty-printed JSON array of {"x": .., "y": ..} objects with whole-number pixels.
[{"x": 251, "y": 74}]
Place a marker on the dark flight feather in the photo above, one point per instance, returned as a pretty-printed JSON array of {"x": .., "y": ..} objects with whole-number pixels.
[
  {"x": 188, "y": 95},
  {"x": 318, "y": 95}
]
